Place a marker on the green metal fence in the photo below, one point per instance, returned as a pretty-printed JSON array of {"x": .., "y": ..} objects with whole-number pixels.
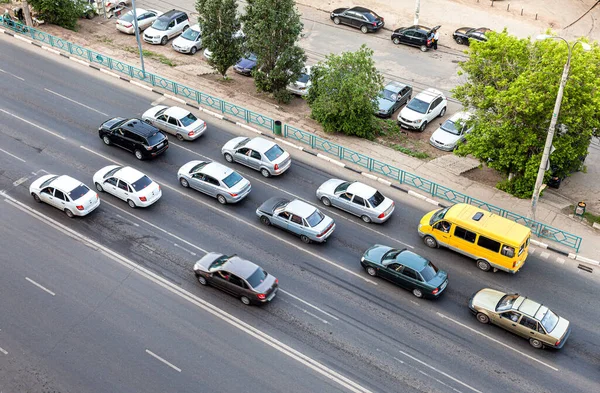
[{"x": 312, "y": 140}]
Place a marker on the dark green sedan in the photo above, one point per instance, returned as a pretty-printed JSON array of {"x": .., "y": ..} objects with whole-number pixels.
[{"x": 406, "y": 269}]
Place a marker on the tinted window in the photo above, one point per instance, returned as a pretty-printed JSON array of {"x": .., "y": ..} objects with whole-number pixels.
[
  {"x": 376, "y": 199},
  {"x": 155, "y": 138},
  {"x": 429, "y": 272},
  {"x": 233, "y": 179},
  {"x": 257, "y": 278},
  {"x": 410, "y": 273},
  {"x": 358, "y": 200},
  {"x": 371, "y": 16},
  {"x": 190, "y": 118},
  {"x": 112, "y": 181},
  {"x": 235, "y": 280},
  {"x": 182, "y": 19},
  {"x": 254, "y": 154},
  {"x": 490, "y": 244},
  {"x": 141, "y": 183},
  {"x": 528, "y": 323},
  {"x": 123, "y": 186},
  {"x": 418, "y": 106},
  {"x": 211, "y": 180},
  {"x": 58, "y": 194},
  {"x": 296, "y": 219},
  {"x": 464, "y": 234},
  {"x": 274, "y": 152},
  {"x": 315, "y": 218},
  {"x": 173, "y": 121},
  {"x": 78, "y": 192}
]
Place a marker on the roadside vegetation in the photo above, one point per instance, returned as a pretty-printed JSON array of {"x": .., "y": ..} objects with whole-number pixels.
[{"x": 64, "y": 13}]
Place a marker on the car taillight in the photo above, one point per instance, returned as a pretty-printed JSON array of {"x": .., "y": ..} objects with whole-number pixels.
[
  {"x": 374, "y": 23},
  {"x": 261, "y": 296},
  {"x": 435, "y": 291},
  {"x": 191, "y": 133},
  {"x": 514, "y": 263},
  {"x": 143, "y": 199},
  {"x": 557, "y": 343},
  {"x": 80, "y": 207},
  {"x": 128, "y": 25},
  {"x": 276, "y": 281},
  {"x": 233, "y": 194},
  {"x": 381, "y": 215},
  {"x": 276, "y": 167}
]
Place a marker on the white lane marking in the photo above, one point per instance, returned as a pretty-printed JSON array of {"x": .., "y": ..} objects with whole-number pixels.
[
  {"x": 13, "y": 75},
  {"x": 308, "y": 304},
  {"x": 496, "y": 341},
  {"x": 545, "y": 255},
  {"x": 158, "y": 100},
  {"x": 12, "y": 155},
  {"x": 20, "y": 181},
  {"x": 305, "y": 311},
  {"x": 560, "y": 260},
  {"x": 76, "y": 102},
  {"x": 124, "y": 219},
  {"x": 434, "y": 378},
  {"x": 184, "y": 249},
  {"x": 33, "y": 124},
  {"x": 224, "y": 212},
  {"x": 148, "y": 247},
  {"x": 174, "y": 367},
  {"x": 40, "y": 286},
  {"x": 531, "y": 249},
  {"x": 3, "y": 351},
  {"x": 439, "y": 371},
  {"x": 195, "y": 300},
  {"x": 330, "y": 211}
]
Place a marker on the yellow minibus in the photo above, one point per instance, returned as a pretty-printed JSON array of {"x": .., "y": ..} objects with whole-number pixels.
[{"x": 493, "y": 241}]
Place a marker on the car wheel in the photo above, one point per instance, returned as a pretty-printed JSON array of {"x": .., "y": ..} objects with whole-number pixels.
[
  {"x": 99, "y": 187},
  {"x": 443, "y": 112},
  {"x": 336, "y": 20},
  {"x": 185, "y": 28},
  {"x": 417, "y": 292},
  {"x": 366, "y": 219},
  {"x": 184, "y": 182},
  {"x": 304, "y": 239},
  {"x": 202, "y": 280},
  {"x": 265, "y": 220},
  {"x": 371, "y": 271},
  {"x": 483, "y": 265},
  {"x": 422, "y": 128},
  {"x": 69, "y": 213},
  {"x": 481, "y": 317},
  {"x": 180, "y": 137},
  {"x": 193, "y": 50},
  {"x": 221, "y": 199},
  {"x": 430, "y": 242},
  {"x": 459, "y": 40},
  {"x": 245, "y": 300},
  {"x": 228, "y": 157},
  {"x": 265, "y": 172},
  {"x": 106, "y": 140},
  {"x": 364, "y": 29},
  {"x": 138, "y": 154},
  {"x": 164, "y": 40},
  {"x": 424, "y": 48},
  {"x": 36, "y": 197},
  {"x": 326, "y": 201},
  {"x": 131, "y": 203},
  {"x": 537, "y": 344},
  {"x": 396, "y": 40}
]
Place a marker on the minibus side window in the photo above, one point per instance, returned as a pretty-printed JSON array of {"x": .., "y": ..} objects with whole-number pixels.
[
  {"x": 488, "y": 244},
  {"x": 464, "y": 234},
  {"x": 508, "y": 251}
]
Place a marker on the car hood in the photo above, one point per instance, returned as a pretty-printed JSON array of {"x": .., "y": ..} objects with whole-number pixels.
[
  {"x": 36, "y": 183},
  {"x": 560, "y": 329},
  {"x": 183, "y": 42},
  {"x": 185, "y": 168},
  {"x": 463, "y": 30},
  {"x": 111, "y": 122},
  {"x": 487, "y": 298},
  {"x": 150, "y": 31},
  {"x": 264, "y": 286},
  {"x": 203, "y": 263},
  {"x": 375, "y": 253},
  {"x": 269, "y": 205},
  {"x": 246, "y": 64},
  {"x": 230, "y": 145},
  {"x": 384, "y": 104},
  {"x": 444, "y": 137},
  {"x": 151, "y": 113},
  {"x": 411, "y": 115},
  {"x": 329, "y": 186}
]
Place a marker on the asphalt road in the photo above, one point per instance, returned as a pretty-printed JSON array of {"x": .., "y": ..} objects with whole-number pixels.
[{"x": 367, "y": 330}]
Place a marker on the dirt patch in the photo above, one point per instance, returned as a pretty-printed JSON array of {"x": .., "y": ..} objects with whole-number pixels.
[{"x": 485, "y": 175}]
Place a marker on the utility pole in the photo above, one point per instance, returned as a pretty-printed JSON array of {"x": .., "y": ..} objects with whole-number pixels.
[
  {"x": 417, "y": 10},
  {"x": 137, "y": 37},
  {"x": 27, "y": 14}
]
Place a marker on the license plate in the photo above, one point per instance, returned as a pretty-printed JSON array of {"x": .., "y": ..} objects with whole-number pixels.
[
  {"x": 159, "y": 145},
  {"x": 443, "y": 285}
]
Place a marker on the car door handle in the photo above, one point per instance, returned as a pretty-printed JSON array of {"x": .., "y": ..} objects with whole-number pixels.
[{"x": 514, "y": 324}]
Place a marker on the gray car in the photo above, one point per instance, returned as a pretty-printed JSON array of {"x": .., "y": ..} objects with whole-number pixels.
[
  {"x": 356, "y": 198},
  {"x": 297, "y": 217},
  {"x": 175, "y": 121},
  {"x": 236, "y": 276},
  {"x": 258, "y": 153},
  {"x": 214, "y": 179},
  {"x": 392, "y": 97}
]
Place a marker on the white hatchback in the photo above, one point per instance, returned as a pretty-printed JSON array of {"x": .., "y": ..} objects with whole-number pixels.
[
  {"x": 128, "y": 184},
  {"x": 65, "y": 193},
  {"x": 423, "y": 109}
]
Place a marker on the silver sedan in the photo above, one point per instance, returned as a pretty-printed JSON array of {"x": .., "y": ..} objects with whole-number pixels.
[
  {"x": 258, "y": 153},
  {"x": 175, "y": 121},
  {"x": 214, "y": 179},
  {"x": 356, "y": 198}
]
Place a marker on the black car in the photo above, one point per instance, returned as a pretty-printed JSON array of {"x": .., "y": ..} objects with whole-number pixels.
[
  {"x": 140, "y": 138},
  {"x": 392, "y": 97},
  {"x": 419, "y": 36},
  {"x": 358, "y": 17},
  {"x": 464, "y": 34},
  {"x": 236, "y": 276}
]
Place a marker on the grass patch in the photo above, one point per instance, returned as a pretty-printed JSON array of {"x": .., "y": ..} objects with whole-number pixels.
[
  {"x": 589, "y": 217},
  {"x": 417, "y": 154},
  {"x": 152, "y": 55},
  {"x": 105, "y": 40}
]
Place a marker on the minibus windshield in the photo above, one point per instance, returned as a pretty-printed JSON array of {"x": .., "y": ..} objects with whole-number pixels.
[{"x": 438, "y": 215}]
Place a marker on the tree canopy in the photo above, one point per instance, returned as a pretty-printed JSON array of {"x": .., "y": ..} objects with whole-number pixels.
[
  {"x": 343, "y": 92},
  {"x": 511, "y": 88},
  {"x": 64, "y": 13}
]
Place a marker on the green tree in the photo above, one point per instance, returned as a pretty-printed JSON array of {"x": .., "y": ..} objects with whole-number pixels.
[
  {"x": 64, "y": 13},
  {"x": 219, "y": 22},
  {"x": 273, "y": 28},
  {"x": 511, "y": 87},
  {"x": 343, "y": 91}
]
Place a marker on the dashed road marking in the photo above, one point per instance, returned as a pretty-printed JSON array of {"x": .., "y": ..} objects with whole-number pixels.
[
  {"x": 531, "y": 249},
  {"x": 3, "y": 351},
  {"x": 544, "y": 255},
  {"x": 11, "y": 74},
  {"x": 158, "y": 100},
  {"x": 33, "y": 124},
  {"x": 308, "y": 304},
  {"x": 184, "y": 249},
  {"x": 174, "y": 367},
  {"x": 20, "y": 181},
  {"x": 76, "y": 102},
  {"x": 560, "y": 260},
  {"x": 12, "y": 155},
  {"x": 40, "y": 286}
]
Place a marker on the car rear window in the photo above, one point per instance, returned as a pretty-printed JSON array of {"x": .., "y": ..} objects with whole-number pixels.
[
  {"x": 429, "y": 272},
  {"x": 128, "y": 17},
  {"x": 189, "y": 119},
  {"x": 376, "y": 199},
  {"x": 257, "y": 278},
  {"x": 315, "y": 218},
  {"x": 274, "y": 153},
  {"x": 78, "y": 192},
  {"x": 418, "y": 106},
  {"x": 141, "y": 183},
  {"x": 304, "y": 78},
  {"x": 155, "y": 138},
  {"x": 371, "y": 16},
  {"x": 233, "y": 179}
]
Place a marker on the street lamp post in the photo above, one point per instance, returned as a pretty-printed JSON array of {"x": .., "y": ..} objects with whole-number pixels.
[
  {"x": 417, "y": 11},
  {"x": 561, "y": 88}
]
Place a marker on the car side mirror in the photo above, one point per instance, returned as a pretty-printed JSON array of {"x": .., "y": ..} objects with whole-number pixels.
[{"x": 440, "y": 124}]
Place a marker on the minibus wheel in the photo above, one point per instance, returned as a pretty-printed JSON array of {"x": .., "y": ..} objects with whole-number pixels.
[
  {"x": 430, "y": 242},
  {"x": 483, "y": 265}
]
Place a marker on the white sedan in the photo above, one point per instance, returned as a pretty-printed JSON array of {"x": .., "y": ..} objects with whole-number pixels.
[
  {"x": 65, "y": 193},
  {"x": 128, "y": 184},
  {"x": 176, "y": 121},
  {"x": 145, "y": 18}
]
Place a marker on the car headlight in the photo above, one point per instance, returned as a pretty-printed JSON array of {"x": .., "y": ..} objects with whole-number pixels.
[
  {"x": 418, "y": 121},
  {"x": 362, "y": 259}
]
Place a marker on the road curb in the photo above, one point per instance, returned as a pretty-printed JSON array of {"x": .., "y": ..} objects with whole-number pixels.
[{"x": 570, "y": 255}]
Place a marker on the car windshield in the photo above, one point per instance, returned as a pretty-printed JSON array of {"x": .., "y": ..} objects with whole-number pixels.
[
  {"x": 418, "y": 106},
  {"x": 342, "y": 187},
  {"x": 233, "y": 179},
  {"x": 250, "y": 56},
  {"x": 118, "y": 124},
  {"x": 274, "y": 153},
  {"x": 160, "y": 24},
  {"x": 257, "y": 278},
  {"x": 155, "y": 138},
  {"x": 78, "y": 192},
  {"x": 376, "y": 199},
  {"x": 47, "y": 182},
  {"x": 438, "y": 215},
  {"x": 241, "y": 143},
  {"x": 315, "y": 218},
  {"x": 506, "y": 302},
  {"x": 128, "y": 17},
  {"x": 429, "y": 272},
  {"x": 160, "y": 112},
  {"x": 388, "y": 95},
  {"x": 112, "y": 172},
  {"x": 549, "y": 321},
  {"x": 450, "y": 126},
  {"x": 304, "y": 77},
  {"x": 391, "y": 254},
  {"x": 188, "y": 119},
  {"x": 141, "y": 183},
  {"x": 217, "y": 263},
  {"x": 190, "y": 34}
]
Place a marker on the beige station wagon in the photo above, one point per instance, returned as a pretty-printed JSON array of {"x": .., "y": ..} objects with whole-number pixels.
[{"x": 521, "y": 316}]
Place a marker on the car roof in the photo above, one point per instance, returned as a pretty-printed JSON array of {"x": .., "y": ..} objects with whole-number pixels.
[
  {"x": 416, "y": 27},
  {"x": 239, "y": 266},
  {"x": 362, "y": 190},
  {"x": 428, "y": 95},
  {"x": 360, "y": 9},
  {"x": 462, "y": 115},
  {"x": 528, "y": 307},
  {"x": 259, "y": 144},
  {"x": 300, "y": 208},
  {"x": 412, "y": 260},
  {"x": 129, "y": 174},
  {"x": 66, "y": 183},
  {"x": 395, "y": 86},
  {"x": 216, "y": 170},
  {"x": 177, "y": 112},
  {"x": 172, "y": 14},
  {"x": 140, "y": 127}
]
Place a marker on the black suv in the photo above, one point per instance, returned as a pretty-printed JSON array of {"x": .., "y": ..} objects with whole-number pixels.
[
  {"x": 135, "y": 135},
  {"x": 419, "y": 36},
  {"x": 358, "y": 17}
]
